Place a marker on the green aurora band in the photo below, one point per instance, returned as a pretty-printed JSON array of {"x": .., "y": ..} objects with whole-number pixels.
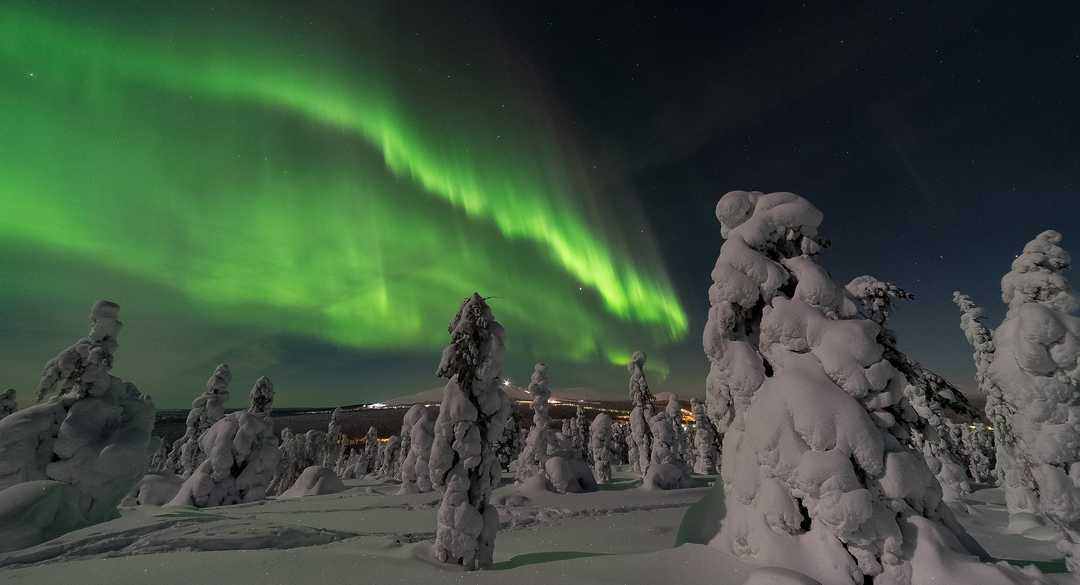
[{"x": 275, "y": 190}]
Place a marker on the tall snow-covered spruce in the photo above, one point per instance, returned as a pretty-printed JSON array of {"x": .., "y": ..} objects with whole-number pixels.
[
  {"x": 418, "y": 426},
  {"x": 471, "y": 418},
  {"x": 206, "y": 409},
  {"x": 1030, "y": 371},
  {"x": 817, "y": 474},
  {"x": 600, "y": 446},
  {"x": 706, "y": 442},
  {"x": 534, "y": 455},
  {"x": 641, "y": 416},
  {"x": 67, "y": 461}
]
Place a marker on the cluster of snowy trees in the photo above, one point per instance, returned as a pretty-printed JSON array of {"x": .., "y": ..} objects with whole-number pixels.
[
  {"x": 1029, "y": 370},
  {"x": 821, "y": 413},
  {"x": 68, "y": 460}
]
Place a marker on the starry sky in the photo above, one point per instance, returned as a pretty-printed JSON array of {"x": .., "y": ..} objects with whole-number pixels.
[{"x": 309, "y": 191}]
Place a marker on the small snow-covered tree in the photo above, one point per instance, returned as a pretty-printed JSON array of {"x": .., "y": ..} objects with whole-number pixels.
[
  {"x": 389, "y": 457},
  {"x": 1034, "y": 378},
  {"x": 290, "y": 462},
  {"x": 640, "y": 415},
  {"x": 67, "y": 461},
  {"x": 415, "y": 474},
  {"x": 206, "y": 409},
  {"x": 818, "y": 475},
  {"x": 706, "y": 442},
  {"x": 979, "y": 443},
  {"x": 667, "y": 469},
  {"x": 7, "y": 402},
  {"x": 242, "y": 455},
  {"x": 336, "y": 439},
  {"x": 600, "y": 446},
  {"x": 534, "y": 454},
  {"x": 370, "y": 456},
  {"x": 581, "y": 432},
  {"x": 509, "y": 446},
  {"x": 673, "y": 410},
  {"x": 471, "y": 419},
  {"x": 620, "y": 443}
]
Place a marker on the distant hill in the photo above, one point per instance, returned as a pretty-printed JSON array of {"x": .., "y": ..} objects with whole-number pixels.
[{"x": 573, "y": 394}]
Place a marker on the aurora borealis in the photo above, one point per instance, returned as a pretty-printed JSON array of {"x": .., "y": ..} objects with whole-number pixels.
[{"x": 310, "y": 190}]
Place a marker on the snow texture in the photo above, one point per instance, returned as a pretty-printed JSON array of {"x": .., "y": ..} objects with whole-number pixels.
[
  {"x": 242, "y": 455},
  {"x": 818, "y": 475},
  {"x": 640, "y": 441},
  {"x": 206, "y": 409},
  {"x": 415, "y": 475},
  {"x": 471, "y": 419},
  {"x": 600, "y": 440},
  {"x": 533, "y": 456},
  {"x": 67, "y": 461},
  {"x": 706, "y": 441}
]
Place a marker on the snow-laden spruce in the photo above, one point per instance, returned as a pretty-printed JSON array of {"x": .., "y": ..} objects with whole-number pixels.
[
  {"x": 206, "y": 409},
  {"x": 817, "y": 475},
  {"x": 471, "y": 418},
  {"x": 1033, "y": 379},
  {"x": 335, "y": 440},
  {"x": 620, "y": 443},
  {"x": 289, "y": 465},
  {"x": 369, "y": 456},
  {"x": 415, "y": 474},
  {"x": 8, "y": 404},
  {"x": 534, "y": 455},
  {"x": 509, "y": 447},
  {"x": 640, "y": 416},
  {"x": 706, "y": 442},
  {"x": 600, "y": 447},
  {"x": 67, "y": 461},
  {"x": 673, "y": 410},
  {"x": 242, "y": 455},
  {"x": 581, "y": 432},
  {"x": 667, "y": 469},
  {"x": 388, "y": 458}
]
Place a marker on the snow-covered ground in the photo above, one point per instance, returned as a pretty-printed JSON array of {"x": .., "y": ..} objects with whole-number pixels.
[{"x": 369, "y": 534}]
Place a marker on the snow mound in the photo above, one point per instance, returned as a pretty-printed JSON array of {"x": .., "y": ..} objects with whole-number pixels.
[
  {"x": 314, "y": 481},
  {"x": 569, "y": 475},
  {"x": 157, "y": 489}
]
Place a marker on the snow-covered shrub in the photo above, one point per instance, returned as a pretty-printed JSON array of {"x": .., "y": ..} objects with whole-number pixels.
[
  {"x": 471, "y": 419},
  {"x": 706, "y": 442},
  {"x": 415, "y": 475},
  {"x": 818, "y": 475},
  {"x": 206, "y": 409},
  {"x": 534, "y": 454},
  {"x": 642, "y": 413},
  {"x": 315, "y": 480},
  {"x": 509, "y": 446},
  {"x": 600, "y": 446},
  {"x": 7, "y": 402},
  {"x": 1034, "y": 378},
  {"x": 67, "y": 461},
  {"x": 242, "y": 455}
]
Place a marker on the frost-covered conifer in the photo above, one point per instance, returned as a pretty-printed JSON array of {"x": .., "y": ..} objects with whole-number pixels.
[
  {"x": 389, "y": 458},
  {"x": 706, "y": 442},
  {"x": 509, "y": 446},
  {"x": 206, "y": 409},
  {"x": 673, "y": 410},
  {"x": 1034, "y": 377},
  {"x": 7, "y": 402},
  {"x": 335, "y": 440},
  {"x": 290, "y": 460},
  {"x": 667, "y": 469},
  {"x": 640, "y": 416},
  {"x": 242, "y": 455},
  {"x": 600, "y": 446},
  {"x": 534, "y": 455},
  {"x": 67, "y": 461},
  {"x": 818, "y": 475},
  {"x": 370, "y": 457},
  {"x": 620, "y": 439},
  {"x": 471, "y": 419},
  {"x": 581, "y": 432},
  {"x": 415, "y": 474}
]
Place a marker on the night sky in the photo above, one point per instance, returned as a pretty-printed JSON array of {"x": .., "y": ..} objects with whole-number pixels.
[{"x": 308, "y": 192}]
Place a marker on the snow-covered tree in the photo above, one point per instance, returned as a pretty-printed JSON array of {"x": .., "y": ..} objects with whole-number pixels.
[
  {"x": 389, "y": 458},
  {"x": 242, "y": 456},
  {"x": 667, "y": 469},
  {"x": 206, "y": 409},
  {"x": 706, "y": 442},
  {"x": 565, "y": 470},
  {"x": 818, "y": 475},
  {"x": 641, "y": 415},
  {"x": 673, "y": 410},
  {"x": 620, "y": 443},
  {"x": 159, "y": 454},
  {"x": 979, "y": 444},
  {"x": 581, "y": 432},
  {"x": 7, "y": 402},
  {"x": 370, "y": 457},
  {"x": 336, "y": 439},
  {"x": 67, "y": 461},
  {"x": 290, "y": 462},
  {"x": 509, "y": 446},
  {"x": 600, "y": 446},
  {"x": 471, "y": 419},
  {"x": 534, "y": 455},
  {"x": 415, "y": 474},
  {"x": 1034, "y": 378}
]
